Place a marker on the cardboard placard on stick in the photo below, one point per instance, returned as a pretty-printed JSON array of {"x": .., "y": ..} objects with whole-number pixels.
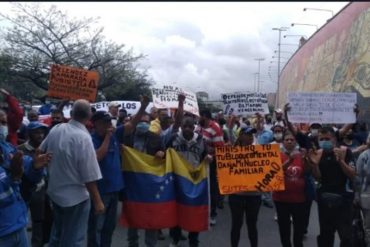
[
  {"x": 167, "y": 98},
  {"x": 249, "y": 168},
  {"x": 245, "y": 104},
  {"x": 72, "y": 83}
]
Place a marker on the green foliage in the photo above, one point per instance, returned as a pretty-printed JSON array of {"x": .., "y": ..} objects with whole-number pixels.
[{"x": 39, "y": 37}]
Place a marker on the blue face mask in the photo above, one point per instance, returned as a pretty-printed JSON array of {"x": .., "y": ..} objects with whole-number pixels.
[
  {"x": 3, "y": 133},
  {"x": 142, "y": 128},
  {"x": 326, "y": 145}
]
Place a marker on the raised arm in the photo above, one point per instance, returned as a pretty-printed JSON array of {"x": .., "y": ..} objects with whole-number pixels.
[
  {"x": 347, "y": 127},
  {"x": 180, "y": 112},
  {"x": 131, "y": 125},
  {"x": 290, "y": 126}
]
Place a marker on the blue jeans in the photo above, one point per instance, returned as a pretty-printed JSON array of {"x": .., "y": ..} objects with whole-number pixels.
[
  {"x": 15, "y": 239},
  {"x": 133, "y": 237},
  {"x": 70, "y": 225},
  {"x": 101, "y": 227}
]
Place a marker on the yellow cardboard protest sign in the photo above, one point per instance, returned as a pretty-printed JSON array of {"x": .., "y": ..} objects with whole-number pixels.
[
  {"x": 249, "y": 168},
  {"x": 72, "y": 83}
]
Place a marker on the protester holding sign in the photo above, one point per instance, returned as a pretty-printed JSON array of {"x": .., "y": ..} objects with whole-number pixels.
[
  {"x": 290, "y": 203},
  {"x": 245, "y": 202}
]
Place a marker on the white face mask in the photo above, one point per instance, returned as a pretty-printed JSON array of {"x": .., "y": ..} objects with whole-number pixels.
[
  {"x": 3, "y": 133},
  {"x": 278, "y": 136},
  {"x": 314, "y": 132}
]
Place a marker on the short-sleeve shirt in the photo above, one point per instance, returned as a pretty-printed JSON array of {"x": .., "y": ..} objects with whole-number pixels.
[
  {"x": 73, "y": 163},
  {"x": 110, "y": 165},
  {"x": 213, "y": 135}
]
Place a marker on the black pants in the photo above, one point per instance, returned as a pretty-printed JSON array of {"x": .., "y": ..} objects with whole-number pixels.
[
  {"x": 284, "y": 211},
  {"x": 250, "y": 205},
  {"x": 307, "y": 212},
  {"x": 175, "y": 233},
  {"x": 41, "y": 216},
  {"x": 214, "y": 191},
  {"x": 332, "y": 220}
]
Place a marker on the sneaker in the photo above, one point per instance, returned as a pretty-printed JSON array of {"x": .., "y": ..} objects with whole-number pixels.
[
  {"x": 275, "y": 217},
  {"x": 174, "y": 245},
  {"x": 161, "y": 235},
  {"x": 213, "y": 221}
]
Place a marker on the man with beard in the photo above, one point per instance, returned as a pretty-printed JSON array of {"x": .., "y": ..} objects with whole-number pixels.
[{"x": 214, "y": 137}]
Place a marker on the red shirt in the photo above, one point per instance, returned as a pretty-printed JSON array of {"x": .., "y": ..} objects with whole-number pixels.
[
  {"x": 15, "y": 118},
  {"x": 213, "y": 135},
  {"x": 294, "y": 181}
]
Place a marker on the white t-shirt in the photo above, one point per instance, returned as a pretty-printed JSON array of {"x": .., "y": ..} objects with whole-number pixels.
[{"x": 73, "y": 163}]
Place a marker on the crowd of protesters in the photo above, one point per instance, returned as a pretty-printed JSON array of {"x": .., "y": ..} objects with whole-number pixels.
[{"x": 68, "y": 173}]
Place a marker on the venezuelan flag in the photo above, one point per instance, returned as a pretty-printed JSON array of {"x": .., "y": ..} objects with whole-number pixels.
[
  {"x": 191, "y": 193},
  {"x": 164, "y": 193},
  {"x": 150, "y": 201}
]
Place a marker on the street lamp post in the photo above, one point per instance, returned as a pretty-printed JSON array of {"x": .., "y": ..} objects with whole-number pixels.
[
  {"x": 281, "y": 29},
  {"x": 305, "y": 24},
  {"x": 327, "y": 10},
  {"x": 259, "y": 71},
  {"x": 295, "y": 35}
]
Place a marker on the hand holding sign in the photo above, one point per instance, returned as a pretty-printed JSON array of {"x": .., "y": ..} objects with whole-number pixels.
[{"x": 181, "y": 97}]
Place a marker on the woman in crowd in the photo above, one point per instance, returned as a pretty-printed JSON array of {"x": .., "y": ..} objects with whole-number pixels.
[
  {"x": 290, "y": 203},
  {"x": 245, "y": 202}
]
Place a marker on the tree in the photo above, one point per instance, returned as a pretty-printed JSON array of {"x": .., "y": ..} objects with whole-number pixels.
[{"x": 40, "y": 37}]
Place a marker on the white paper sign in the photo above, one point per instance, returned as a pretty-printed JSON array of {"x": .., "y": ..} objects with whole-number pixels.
[
  {"x": 245, "y": 103},
  {"x": 167, "y": 97},
  {"x": 324, "y": 108}
]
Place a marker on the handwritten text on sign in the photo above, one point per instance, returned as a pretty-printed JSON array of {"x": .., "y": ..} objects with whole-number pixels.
[
  {"x": 167, "y": 97},
  {"x": 72, "y": 83},
  {"x": 249, "y": 168},
  {"x": 245, "y": 103},
  {"x": 322, "y": 107}
]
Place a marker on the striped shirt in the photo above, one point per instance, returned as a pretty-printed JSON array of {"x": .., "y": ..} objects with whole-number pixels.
[{"x": 213, "y": 135}]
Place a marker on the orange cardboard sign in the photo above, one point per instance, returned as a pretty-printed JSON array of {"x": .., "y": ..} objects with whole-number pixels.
[
  {"x": 72, "y": 83},
  {"x": 249, "y": 168}
]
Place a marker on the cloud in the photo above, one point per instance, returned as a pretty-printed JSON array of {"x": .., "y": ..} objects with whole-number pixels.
[{"x": 204, "y": 46}]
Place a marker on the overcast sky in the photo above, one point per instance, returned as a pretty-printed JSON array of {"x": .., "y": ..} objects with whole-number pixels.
[{"x": 205, "y": 46}]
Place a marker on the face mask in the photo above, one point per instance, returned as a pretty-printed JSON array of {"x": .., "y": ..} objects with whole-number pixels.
[
  {"x": 142, "y": 128},
  {"x": 278, "y": 136},
  {"x": 3, "y": 133},
  {"x": 326, "y": 145},
  {"x": 314, "y": 132}
]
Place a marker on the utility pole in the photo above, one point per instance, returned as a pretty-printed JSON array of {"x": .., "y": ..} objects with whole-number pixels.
[
  {"x": 281, "y": 29},
  {"x": 259, "y": 72}
]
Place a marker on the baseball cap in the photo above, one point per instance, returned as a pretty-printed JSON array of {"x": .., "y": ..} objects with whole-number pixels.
[
  {"x": 101, "y": 115},
  {"x": 315, "y": 124},
  {"x": 248, "y": 130},
  {"x": 36, "y": 125},
  {"x": 114, "y": 104}
]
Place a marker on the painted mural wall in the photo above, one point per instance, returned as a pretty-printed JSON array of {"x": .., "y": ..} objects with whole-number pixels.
[{"x": 335, "y": 59}]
